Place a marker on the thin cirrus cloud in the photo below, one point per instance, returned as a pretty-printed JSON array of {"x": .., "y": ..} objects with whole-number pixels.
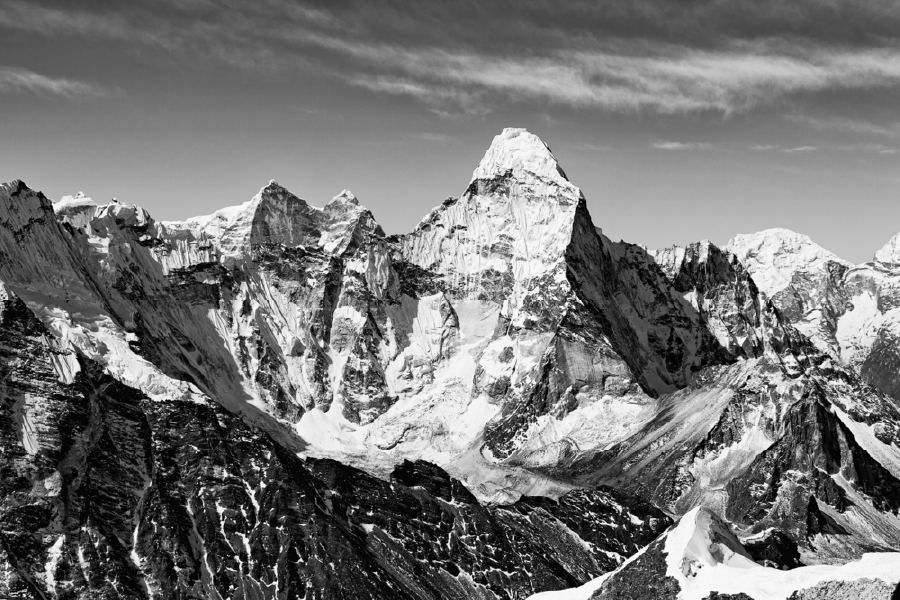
[
  {"x": 664, "y": 145},
  {"x": 670, "y": 68},
  {"x": 786, "y": 149},
  {"x": 14, "y": 80},
  {"x": 670, "y": 80},
  {"x": 842, "y": 124}
]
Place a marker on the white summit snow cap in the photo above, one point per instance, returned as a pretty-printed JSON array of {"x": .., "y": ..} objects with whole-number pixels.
[
  {"x": 520, "y": 151},
  {"x": 77, "y": 210},
  {"x": 890, "y": 253},
  {"x": 77, "y": 200},
  {"x": 346, "y": 196},
  {"x": 773, "y": 256}
]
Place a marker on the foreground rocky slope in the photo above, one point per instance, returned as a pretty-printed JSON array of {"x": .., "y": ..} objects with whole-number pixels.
[
  {"x": 701, "y": 559},
  {"x": 498, "y": 403},
  {"x": 109, "y": 494}
]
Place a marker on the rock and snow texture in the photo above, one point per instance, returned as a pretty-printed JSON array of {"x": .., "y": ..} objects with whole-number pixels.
[
  {"x": 849, "y": 311},
  {"x": 773, "y": 256},
  {"x": 704, "y": 556},
  {"x": 701, "y": 559},
  {"x": 801, "y": 278},
  {"x": 505, "y": 340}
]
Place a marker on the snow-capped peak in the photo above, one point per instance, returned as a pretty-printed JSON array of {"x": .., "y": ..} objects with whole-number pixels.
[
  {"x": 78, "y": 199},
  {"x": 773, "y": 256},
  {"x": 890, "y": 252},
  {"x": 77, "y": 210},
  {"x": 346, "y": 196},
  {"x": 522, "y": 153}
]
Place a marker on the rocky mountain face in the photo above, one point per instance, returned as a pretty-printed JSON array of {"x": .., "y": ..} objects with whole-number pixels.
[
  {"x": 847, "y": 310},
  {"x": 282, "y": 401},
  {"x": 107, "y": 493}
]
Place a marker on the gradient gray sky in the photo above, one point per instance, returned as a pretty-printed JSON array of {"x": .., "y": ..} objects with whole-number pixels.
[{"x": 679, "y": 119}]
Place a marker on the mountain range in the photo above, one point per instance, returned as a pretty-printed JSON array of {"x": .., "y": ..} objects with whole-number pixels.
[{"x": 282, "y": 401}]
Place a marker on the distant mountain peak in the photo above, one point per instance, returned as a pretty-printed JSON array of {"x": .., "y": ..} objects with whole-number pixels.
[
  {"x": 521, "y": 152},
  {"x": 346, "y": 196},
  {"x": 79, "y": 202},
  {"x": 773, "y": 255},
  {"x": 890, "y": 252}
]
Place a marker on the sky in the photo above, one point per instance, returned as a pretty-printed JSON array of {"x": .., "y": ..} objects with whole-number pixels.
[{"x": 680, "y": 120}]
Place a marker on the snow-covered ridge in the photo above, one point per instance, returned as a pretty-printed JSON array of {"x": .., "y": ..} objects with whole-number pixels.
[
  {"x": 275, "y": 215},
  {"x": 704, "y": 556}
]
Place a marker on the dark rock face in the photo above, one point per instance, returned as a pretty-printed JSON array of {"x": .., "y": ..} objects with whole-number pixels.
[
  {"x": 644, "y": 578},
  {"x": 776, "y": 550},
  {"x": 881, "y": 367}
]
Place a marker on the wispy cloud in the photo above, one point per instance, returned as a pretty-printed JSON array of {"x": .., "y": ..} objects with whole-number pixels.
[
  {"x": 663, "y": 145},
  {"x": 14, "y": 80},
  {"x": 434, "y": 138},
  {"x": 786, "y": 149},
  {"x": 868, "y": 148},
  {"x": 625, "y": 76},
  {"x": 726, "y": 57},
  {"x": 833, "y": 123}
]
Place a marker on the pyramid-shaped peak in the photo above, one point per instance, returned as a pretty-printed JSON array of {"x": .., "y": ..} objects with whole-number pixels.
[{"x": 521, "y": 152}]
